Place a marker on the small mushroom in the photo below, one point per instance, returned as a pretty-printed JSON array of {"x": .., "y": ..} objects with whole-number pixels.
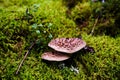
[
  {"x": 89, "y": 49},
  {"x": 54, "y": 56},
  {"x": 67, "y": 45}
]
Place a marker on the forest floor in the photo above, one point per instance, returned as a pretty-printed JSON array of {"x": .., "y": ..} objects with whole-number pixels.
[{"x": 22, "y": 21}]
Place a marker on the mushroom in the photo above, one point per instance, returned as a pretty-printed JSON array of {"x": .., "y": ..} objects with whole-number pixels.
[
  {"x": 54, "y": 56},
  {"x": 67, "y": 45},
  {"x": 64, "y": 45}
]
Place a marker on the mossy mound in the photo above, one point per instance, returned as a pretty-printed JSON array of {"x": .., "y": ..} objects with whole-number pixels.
[{"x": 22, "y": 22}]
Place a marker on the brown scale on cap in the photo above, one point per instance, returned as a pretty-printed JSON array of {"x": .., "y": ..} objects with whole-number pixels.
[
  {"x": 67, "y": 45},
  {"x": 54, "y": 56}
]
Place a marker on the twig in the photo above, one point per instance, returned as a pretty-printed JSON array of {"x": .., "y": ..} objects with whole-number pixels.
[
  {"x": 25, "y": 56},
  {"x": 92, "y": 31}
]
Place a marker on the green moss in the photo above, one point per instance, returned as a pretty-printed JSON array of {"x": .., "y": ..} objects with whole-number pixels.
[{"x": 22, "y": 22}]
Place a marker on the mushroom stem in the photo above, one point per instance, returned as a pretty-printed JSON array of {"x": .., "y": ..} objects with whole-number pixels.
[{"x": 25, "y": 56}]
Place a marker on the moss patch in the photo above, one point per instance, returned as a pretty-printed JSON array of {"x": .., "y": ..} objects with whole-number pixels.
[{"x": 21, "y": 22}]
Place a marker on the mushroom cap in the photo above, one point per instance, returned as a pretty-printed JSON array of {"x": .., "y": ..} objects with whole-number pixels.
[
  {"x": 67, "y": 45},
  {"x": 54, "y": 56}
]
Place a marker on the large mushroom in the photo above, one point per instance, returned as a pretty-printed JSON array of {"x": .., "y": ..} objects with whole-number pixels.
[
  {"x": 64, "y": 45},
  {"x": 67, "y": 45},
  {"x": 54, "y": 56}
]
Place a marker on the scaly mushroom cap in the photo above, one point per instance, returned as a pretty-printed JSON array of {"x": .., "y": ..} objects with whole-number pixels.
[
  {"x": 67, "y": 45},
  {"x": 54, "y": 56}
]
